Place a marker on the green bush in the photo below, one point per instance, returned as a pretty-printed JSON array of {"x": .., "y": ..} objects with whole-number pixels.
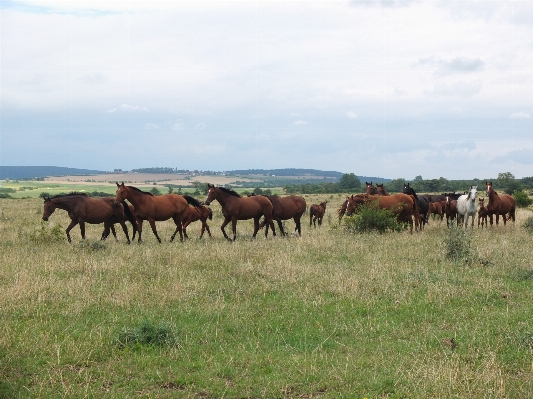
[
  {"x": 147, "y": 333},
  {"x": 47, "y": 234},
  {"x": 369, "y": 218},
  {"x": 522, "y": 199},
  {"x": 528, "y": 225},
  {"x": 458, "y": 245}
]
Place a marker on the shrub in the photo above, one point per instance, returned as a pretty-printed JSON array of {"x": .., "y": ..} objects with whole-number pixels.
[
  {"x": 528, "y": 225},
  {"x": 522, "y": 199},
  {"x": 44, "y": 194},
  {"x": 47, "y": 234},
  {"x": 369, "y": 218},
  {"x": 458, "y": 245},
  {"x": 147, "y": 333}
]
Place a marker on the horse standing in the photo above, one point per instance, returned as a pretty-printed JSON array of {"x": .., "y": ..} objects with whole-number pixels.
[
  {"x": 500, "y": 205},
  {"x": 109, "y": 226},
  {"x": 422, "y": 203},
  {"x": 402, "y": 205},
  {"x": 83, "y": 209},
  {"x": 284, "y": 208},
  {"x": 195, "y": 213},
  {"x": 381, "y": 190},
  {"x": 155, "y": 208},
  {"x": 316, "y": 212},
  {"x": 235, "y": 207},
  {"x": 482, "y": 214},
  {"x": 467, "y": 206},
  {"x": 450, "y": 210}
]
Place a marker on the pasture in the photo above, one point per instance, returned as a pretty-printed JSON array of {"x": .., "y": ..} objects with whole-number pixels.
[{"x": 327, "y": 315}]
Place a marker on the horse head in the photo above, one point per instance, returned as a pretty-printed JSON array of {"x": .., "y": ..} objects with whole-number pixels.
[
  {"x": 121, "y": 193},
  {"x": 211, "y": 194},
  {"x": 488, "y": 188},
  {"x": 49, "y": 208},
  {"x": 472, "y": 193}
]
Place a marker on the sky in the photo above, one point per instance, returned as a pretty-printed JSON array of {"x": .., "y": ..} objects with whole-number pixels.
[{"x": 391, "y": 88}]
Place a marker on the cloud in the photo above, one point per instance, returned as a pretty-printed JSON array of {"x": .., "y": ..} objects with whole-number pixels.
[
  {"x": 455, "y": 65},
  {"x": 127, "y": 108},
  {"x": 351, "y": 115},
  {"x": 93, "y": 79},
  {"x": 457, "y": 89},
  {"x": 178, "y": 126},
  {"x": 151, "y": 126},
  {"x": 200, "y": 126},
  {"x": 524, "y": 156},
  {"x": 520, "y": 115},
  {"x": 300, "y": 123}
]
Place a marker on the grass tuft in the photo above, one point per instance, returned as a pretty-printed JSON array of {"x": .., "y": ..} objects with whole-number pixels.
[
  {"x": 147, "y": 333},
  {"x": 458, "y": 246}
]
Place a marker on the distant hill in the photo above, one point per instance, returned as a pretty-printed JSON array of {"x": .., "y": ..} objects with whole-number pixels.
[
  {"x": 32, "y": 172},
  {"x": 303, "y": 172}
]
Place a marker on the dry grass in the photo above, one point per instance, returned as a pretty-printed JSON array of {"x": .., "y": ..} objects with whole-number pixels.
[{"x": 326, "y": 315}]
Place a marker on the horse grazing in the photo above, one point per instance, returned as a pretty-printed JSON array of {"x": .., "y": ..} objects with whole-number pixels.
[
  {"x": 316, "y": 212},
  {"x": 155, "y": 208},
  {"x": 402, "y": 205},
  {"x": 195, "y": 213},
  {"x": 482, "y": 214},
  {"x": 284, "y": 208},
  {"x": 235, "y": 207},
  {"x": 499, "y": 205},
  {"x": 467, "y": 207},
  {"x": 422, "y": 203},
  {"x": 83, "y": 209}
]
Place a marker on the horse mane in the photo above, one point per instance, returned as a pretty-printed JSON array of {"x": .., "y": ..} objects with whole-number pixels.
[
  {"x": 230, "y": 192},
  {"x": 71, "y": 194},
  {"x": 141, "y": 191}
]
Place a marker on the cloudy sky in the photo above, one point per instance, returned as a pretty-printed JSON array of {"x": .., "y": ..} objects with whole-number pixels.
[{"x": 378, "y": 88}]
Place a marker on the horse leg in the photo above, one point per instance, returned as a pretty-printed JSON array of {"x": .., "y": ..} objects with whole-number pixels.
[
  {"x": 154, "y": 230},
  {"x": 184, "y": 227},
  {"x": 224, "y": 224},
  {"x": 105, "y": 233},
  {"x": 311, "y": 219},
  {"x": 234, "y": 228},
  {"x": 280, "y": 225},
  {"x": 82, "y": 230},
  {"x": 112, "y": 227},
  {"x": 256, "y": 227},
  {"x": 177, "y": 221},
  {"x": 70, "y": 226},
  {"x": 203, "y": 229},
  {"x": 207, "y": 228},
  {"x": 298, "y": 226},
  {"x": 124, "y": 229},
  {"x": 139, "y": 229}
]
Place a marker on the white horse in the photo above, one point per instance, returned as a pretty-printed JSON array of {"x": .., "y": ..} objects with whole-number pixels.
[{"x": 467, "y": 206}]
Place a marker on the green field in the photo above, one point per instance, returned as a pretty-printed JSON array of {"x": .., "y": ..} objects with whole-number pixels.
[{"x": 327, "y": 315}]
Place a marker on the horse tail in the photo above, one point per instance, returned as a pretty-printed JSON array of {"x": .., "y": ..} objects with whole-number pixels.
[
  {"x": 129, "y": 215},
  {"x": 210, "y": 214},
  {"x": 342, "y": 210},
  {"x": 192, "y": 201}
]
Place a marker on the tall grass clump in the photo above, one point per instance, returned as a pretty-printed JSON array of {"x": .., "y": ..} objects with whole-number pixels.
[
  {"x": 528, "y": 225},
  {"x": 147, "y": 333},
  {"x": 458, "y": 245},
  {"x": 47, "y": 234},
  {"x": 369, "y": 218}
]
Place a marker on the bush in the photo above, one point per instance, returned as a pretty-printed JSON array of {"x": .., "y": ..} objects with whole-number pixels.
[
  {"x": 528, "y": 225},
  {"x": 522, "y": 199},
  {"x": 47, "y": 234},
  {"x": 369, "y": 218},
  {"x": 147, "y": 333},
  {"x": 458, "y": 245}
]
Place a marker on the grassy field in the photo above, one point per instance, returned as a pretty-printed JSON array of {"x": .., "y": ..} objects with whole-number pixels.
[{"x": 327, "y": 315}]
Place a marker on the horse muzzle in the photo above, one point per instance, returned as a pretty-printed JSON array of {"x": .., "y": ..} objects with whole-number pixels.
[
  {"x": 45, "y": 218},
  {"x": 207, "y": 202}
]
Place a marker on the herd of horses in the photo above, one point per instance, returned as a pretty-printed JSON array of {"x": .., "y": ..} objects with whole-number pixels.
[{"x": 408, "y": 207}]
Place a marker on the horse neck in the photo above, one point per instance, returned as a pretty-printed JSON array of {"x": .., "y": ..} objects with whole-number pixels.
[
  {"x": 224, "y": 198},
  {"x": 135, "y": 197},
  {"x": 66, "y": 203},
  {"x": 494, "y": 198}
]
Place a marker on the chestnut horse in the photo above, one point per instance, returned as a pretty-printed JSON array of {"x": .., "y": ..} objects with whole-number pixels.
[
  {"x": 195, "y": 213},
  {"x": 155, "y": 208},
  {"x": 402, "y": 205},
  {"x": 450, "y": 210},
  {"x": 379, "y": 189},
  {"x": 316, "y": 212},
  {"x": 284, "y": 208},
  {"x": 482, "y": 214},
  {"x": 109, "y": 226},
  {"x": 83, "y": 209},
  {"x": 499, "y": 205},
  {"x": 235, "y": 207}
]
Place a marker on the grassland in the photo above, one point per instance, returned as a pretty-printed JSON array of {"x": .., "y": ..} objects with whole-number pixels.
[{"x": 327, "y": 315}]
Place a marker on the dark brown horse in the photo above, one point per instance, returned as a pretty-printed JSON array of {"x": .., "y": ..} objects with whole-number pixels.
[
  {"x": 195, "y": 213},
  {"x": 370, "y": 189},
  {"x": 450, "y": 210},
  {"x": 402, "y": 205},
  {"x": 83, "y": 209},
  {"x": 109, "y": 226},
  {"x": 381, "y": 190},
  {"x": 156, "y": 208},
  {"x": 284, "y": 208},
  {"x": 235, "y": 207},
  {"x": 482, "y": 214},
  {"x": 316, "y": 212},
  {"x": 437, "y": 208},
  {"x": 499, "y": 205}
]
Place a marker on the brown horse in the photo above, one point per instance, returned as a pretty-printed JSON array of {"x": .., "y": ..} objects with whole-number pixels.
[
  {"x": 370, "y": 189},
  {"x": 195, "y": 213},
  {"x": 284, "y": 208},
  {"x": 109, "y": 226},
  {"x": 381, "y": 189},
  {"x": 83, "y": 209},
  {"x": 155, "y": 208},
  {"x": 499, "y": 205},
  {"x": 437, "y": 208},
  {"x": 402, "y": 205},
  {"x": 235, "y": 207},
  {"x": 482, "y": 214},
  {"x": 450, "y": 210},
  {"x": 316, "y": 212}
]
